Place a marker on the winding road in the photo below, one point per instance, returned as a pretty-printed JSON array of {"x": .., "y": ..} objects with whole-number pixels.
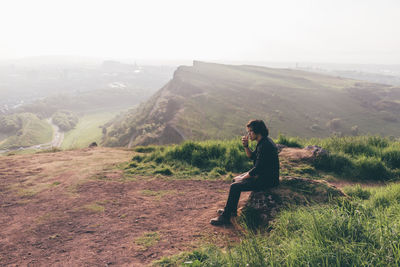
[{"x": 58, "y": 136}]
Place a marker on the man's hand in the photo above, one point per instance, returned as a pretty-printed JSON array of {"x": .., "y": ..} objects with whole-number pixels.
[
  {"x": 241, "y": 177},
  {"x": 237, "y": 179},
  {"x": 245, "y": 141}
]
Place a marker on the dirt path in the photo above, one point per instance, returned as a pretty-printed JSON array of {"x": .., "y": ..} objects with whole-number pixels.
[
  {"x": 58, "y": 136},
  {"x": 74, "y": 208}
]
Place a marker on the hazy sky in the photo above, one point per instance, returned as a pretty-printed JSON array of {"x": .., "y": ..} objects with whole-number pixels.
[{"x": 359, "y": 31}]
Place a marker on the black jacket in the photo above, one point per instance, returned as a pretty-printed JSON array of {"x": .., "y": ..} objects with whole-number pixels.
[{"x": 266, "y": 163}]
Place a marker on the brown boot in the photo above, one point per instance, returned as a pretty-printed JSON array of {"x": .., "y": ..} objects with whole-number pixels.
[{"x": 220, "y": 220}]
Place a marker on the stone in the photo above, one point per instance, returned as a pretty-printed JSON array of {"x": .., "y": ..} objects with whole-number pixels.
[
  {"x": 262, "y": 206},
  {"x": 94, "y": 144},
  {"x": 317, "y": 151}
]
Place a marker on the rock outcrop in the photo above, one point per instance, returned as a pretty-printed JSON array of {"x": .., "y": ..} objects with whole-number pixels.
[
  {"x": 263, "y": 206},
  {"x": 317, "y": 151}
]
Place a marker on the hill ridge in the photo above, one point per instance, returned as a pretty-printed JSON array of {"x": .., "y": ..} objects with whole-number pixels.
[{"x": 211, "y": 100}]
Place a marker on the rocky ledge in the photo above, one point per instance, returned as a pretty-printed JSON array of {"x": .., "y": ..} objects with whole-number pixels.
[{"x": 262, "y": 206}]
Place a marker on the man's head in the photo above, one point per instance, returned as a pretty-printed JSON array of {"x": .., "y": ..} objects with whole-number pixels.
[{"x": 257, "y": 130}]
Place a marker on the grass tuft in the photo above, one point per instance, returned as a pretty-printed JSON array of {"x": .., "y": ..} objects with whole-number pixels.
[
  {"x": 94, "y": 207},
  {"x": 288, "y": 141},
  {"x": 147, "y": 240}
]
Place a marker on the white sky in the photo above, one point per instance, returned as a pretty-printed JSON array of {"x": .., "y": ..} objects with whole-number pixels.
[{"x": 342, "y": 31}]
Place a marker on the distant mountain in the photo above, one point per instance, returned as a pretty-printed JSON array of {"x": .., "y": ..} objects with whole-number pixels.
[
  {"x": 361, "y": 75},
  {"x": 209, "y": 100}
]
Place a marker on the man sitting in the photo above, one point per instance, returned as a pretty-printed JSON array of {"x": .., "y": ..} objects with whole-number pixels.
[{"x": 263, "y": 175}]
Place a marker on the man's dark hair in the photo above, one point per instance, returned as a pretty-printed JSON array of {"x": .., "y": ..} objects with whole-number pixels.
[{"x": 258, "y": 127}]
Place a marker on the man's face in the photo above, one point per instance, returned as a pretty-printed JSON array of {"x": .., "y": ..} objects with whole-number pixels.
[{"x": 252, "y": 135}]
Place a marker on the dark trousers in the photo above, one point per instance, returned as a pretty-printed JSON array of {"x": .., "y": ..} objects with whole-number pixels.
[{"x": 250, "y": 184}]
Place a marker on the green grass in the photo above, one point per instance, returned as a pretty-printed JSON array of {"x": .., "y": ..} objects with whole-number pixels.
[
  {"x": 361, "y": 231},
  {"x": 359, "y": 158},
  {"x": 94, "y": 207},
  {"x": 209, "y": 159},
  {"x": 147, "y": 240},
  {"x": 355, "y": 158},
  {"x": 288, "y": 141},
  {"x": 158, "y": 194},
  {"x": 87, "y": 130}
]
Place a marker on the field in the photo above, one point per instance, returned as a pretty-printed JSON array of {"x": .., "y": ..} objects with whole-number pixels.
[{"x": 87, "y": 130}]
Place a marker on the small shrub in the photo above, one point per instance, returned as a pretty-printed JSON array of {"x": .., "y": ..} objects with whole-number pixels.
[
  {"x": 288, "y": 141},
  {"x": 138, "y": 158},
  {"x": 370, "y": 168},
  {"x": 147, "y": 240},
  {"x": 377, "y": 141},
  {"x": 358, "y": 192},
  {"x": 334, "y": 124},
  {"x": 132, "y": 165},
  {"x": 337, "y": 163},
  {"x": 235, "y": 160},
  {"x": 219, "y": 170},
  {"x": 357, "y": 148},
  {"x": 392, "y": 158},
  {"x": 164, "y": 171},
  {"x": 145, "y": 149}
]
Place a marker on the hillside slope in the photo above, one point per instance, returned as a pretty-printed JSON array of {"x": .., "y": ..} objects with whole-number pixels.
[
  {"x": 23, "y": 130},
  {"x": 87, "y": 207},
  {"x": 210, "y": 100}
]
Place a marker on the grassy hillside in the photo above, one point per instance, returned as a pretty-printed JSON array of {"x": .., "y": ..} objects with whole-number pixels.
[
  {"x": 30, "y": 131},
  {"x": 360, "y": 229},
  {"x": 87, "y": 130},
  {"x": 215, "y": 101}
]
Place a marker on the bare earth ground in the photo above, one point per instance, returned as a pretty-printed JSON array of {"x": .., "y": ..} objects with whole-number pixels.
[{"x": 76, "y": 208}]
